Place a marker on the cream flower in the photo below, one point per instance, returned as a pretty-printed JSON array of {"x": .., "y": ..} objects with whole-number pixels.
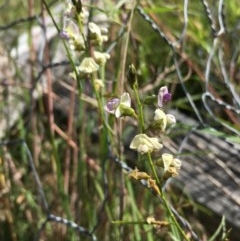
[
  {"x": 143, "y": 144},
  {"x": 177, "y": 163},
  {"x": 169, "y": 161},
  {"x": 95, "y": 33},
  {"x": 98, "y": 83},
  {"x": 125, "y": 103},
  {"x": 160, "y": 115},
  {"x": 101, "y": 58},
  {"x": 71, "y": 32},
  {"x": 88, "y": 66},
  {"x": 121, "y": 107},
  {"x": 171, "y": 120},
  {"x": 160, "y": 118}
]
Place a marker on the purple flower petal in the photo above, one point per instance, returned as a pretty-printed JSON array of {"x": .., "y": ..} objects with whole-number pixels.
[
  {"x": 64, "y": 35},
  {"x": 112, "y": 105},
  {"x": 167, "y": 97},
  {"x": 163, "y": 96}
]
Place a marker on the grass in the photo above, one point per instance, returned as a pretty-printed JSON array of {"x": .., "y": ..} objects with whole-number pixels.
[{"x": 64, "y": 168}]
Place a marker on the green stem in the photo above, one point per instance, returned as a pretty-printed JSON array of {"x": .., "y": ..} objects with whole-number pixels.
[
  {"x": 120, "y": 222},
  {"x": 173, "y": 218},
  {"x": 99, "y": 99},
  {"x": 100, "y": 104},
  {"x": 165, "y": 202},
  {"x": 154, "y": 172},
  {"x": 140, "y": 108}
]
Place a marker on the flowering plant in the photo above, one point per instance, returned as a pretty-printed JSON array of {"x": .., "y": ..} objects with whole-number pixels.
[{"x": 86, "y": 41}]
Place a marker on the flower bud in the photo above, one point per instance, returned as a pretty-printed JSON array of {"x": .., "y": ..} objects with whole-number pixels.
[
  {"x": 98, "y": 83},
  {"x": 152, "y": 184},
  {"x": 136, "y": 174},
  {"x": 171, "y": 120},
  {"x": 132, "y": 76},
  {"x": 171, "y": 172},
  {"x": 64, "y": 35},
  {"x": 78, "y": 5},
  {"x": 163, "y": 96},
  {"x": 157, "y": 223},
  {"x": 160, "y": 120},
  {"x": 176, "y": 163}
]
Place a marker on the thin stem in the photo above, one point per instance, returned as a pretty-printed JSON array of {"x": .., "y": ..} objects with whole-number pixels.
[
  {"x": 140, "y": 108},
  {"x": 154, "y": 171},
  {"x": 173, "y": 218},
  {"x": 163, "y": 198},
  {"x": 124, "y": 55}
]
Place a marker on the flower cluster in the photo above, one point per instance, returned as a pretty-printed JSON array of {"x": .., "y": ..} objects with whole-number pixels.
[
  {"x": 81, "y": 36},
  {"x": 143, "y": 143}
]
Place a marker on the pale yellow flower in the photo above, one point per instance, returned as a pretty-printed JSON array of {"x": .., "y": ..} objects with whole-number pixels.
[
  {"x": 169, "y": 161},
  {"x": 98, "y": 83},
  {"x": 71, "y": 33},
  {"x": 120, "y": 107},
  {"x": 161, "y": 118},
  {"x": 95, "y": 33},
  {"x": 144, "y": 144},
  {"x": 101, "y": 58},
  {"x": 125, "y": 103},
  {"x": 171, "y": 120},
  {"x": 88, "y": 66}
]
